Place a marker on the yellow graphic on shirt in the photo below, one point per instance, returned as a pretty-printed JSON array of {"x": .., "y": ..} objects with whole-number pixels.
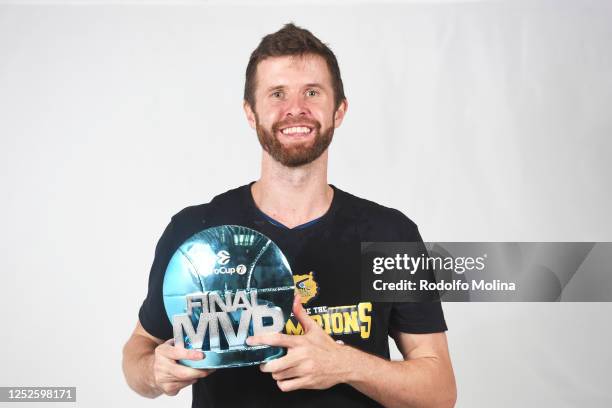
[
  {"x": 306, "y": 286},
  {"x": 338, "y": 320}
]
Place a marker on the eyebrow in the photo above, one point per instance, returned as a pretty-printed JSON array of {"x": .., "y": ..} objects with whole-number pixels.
[
  {"x": 314, "y": 85},
  {"x": 275, "y": 88},
  {"x": 278, "y": 87}
]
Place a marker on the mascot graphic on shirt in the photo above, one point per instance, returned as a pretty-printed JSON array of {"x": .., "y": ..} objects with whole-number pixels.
[
  {"x": 335, "y": 320},
  {"x": 306, "y": 286}
]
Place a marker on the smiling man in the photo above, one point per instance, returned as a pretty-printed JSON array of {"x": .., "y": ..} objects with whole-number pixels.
[{"x": 336, "y": 340}]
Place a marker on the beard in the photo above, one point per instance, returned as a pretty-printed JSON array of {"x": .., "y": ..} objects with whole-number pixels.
[{"x": 297, "y": 154}]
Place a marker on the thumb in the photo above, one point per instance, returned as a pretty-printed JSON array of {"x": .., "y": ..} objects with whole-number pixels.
[{"x": 301, "y": 315}]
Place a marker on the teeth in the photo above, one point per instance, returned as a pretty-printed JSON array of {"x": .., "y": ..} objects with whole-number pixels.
[{"x": 292, "y": 130}]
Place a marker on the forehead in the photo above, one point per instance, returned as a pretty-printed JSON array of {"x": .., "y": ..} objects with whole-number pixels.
[{"x": 292, "y": 71}]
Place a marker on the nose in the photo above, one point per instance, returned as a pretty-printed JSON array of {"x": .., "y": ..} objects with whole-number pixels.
[{"x": 296, "y": 106}]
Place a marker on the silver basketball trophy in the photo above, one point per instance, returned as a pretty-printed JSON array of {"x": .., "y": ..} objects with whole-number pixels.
[{"x": 222, "y": 285}]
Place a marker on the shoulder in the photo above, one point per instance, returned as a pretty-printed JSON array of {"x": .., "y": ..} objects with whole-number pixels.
[
  {"x": 224, "y": 201},
  {"x": 193, "y": 218},
  {"x": 390, "y": 222}
]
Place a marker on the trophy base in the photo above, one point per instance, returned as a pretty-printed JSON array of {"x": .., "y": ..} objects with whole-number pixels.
[{"x": 244, "y": 356}]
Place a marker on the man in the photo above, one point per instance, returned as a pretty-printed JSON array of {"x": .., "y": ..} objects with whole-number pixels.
[{"x": 294, "y": 99}]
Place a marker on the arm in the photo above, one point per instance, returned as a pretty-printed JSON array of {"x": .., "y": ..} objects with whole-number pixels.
[
  {"x": 138, "y": 357},
  {"x": 150, "y": 367},
  {"x": 315, "y": 361},
  {"x": 424, "y": 379}
]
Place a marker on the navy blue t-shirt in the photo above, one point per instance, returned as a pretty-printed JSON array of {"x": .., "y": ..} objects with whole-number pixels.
[{"x": 324, "y": 255}]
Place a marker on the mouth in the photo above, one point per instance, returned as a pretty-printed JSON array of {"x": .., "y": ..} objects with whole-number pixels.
[{"x": 296, "y": 130}]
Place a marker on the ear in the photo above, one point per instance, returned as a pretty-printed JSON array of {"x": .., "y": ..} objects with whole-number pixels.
[
  {"x": 250, "y": 114},
  {"x": 340, "y": 112}
]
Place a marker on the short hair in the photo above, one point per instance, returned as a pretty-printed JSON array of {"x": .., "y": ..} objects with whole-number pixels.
[{"x": 292, "y": 40}]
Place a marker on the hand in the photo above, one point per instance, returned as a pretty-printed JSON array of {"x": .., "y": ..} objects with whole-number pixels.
[
  {"x": 313, "y": 360},
  {"x": 171, "y": 377}
]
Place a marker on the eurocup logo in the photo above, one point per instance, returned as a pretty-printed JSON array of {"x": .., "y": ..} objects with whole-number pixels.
[
  {"x": 222, "y": 285},
  {"x": 223, "y": 257}
]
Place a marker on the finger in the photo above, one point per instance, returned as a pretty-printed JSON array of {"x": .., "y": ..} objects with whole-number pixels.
[
  {"x": 183, "y": 384},
  {"x": 273, "y": 339},
  {"x": 300, "y": 314},
  {"x": 289, "y": 373},
  {"x": 291, "y": 384},
  {"x": 181, "y": 373},
  {"x": 173, "y": 387},
  {"x": 179, "y": 353},
  {"x": 279, "y": 364}
]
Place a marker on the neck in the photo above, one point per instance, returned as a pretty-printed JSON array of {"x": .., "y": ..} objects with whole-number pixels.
[{"x": 293, "y": 195}]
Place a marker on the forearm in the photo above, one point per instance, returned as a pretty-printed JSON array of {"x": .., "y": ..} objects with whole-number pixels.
[
  {"x": 418, "y": 383},
  {"x": 138, "y": 358}
]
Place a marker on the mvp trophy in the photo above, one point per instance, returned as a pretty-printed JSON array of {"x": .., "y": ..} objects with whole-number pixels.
[{"x": 222, "y": 285}]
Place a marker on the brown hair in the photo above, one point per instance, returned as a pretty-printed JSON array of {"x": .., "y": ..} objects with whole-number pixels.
[{"x": 292, "y": 40}]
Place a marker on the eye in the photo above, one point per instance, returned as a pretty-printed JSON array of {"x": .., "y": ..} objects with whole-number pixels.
[
  {"x": 277, "y": 94},
  {"x": 312, "y": 92}
]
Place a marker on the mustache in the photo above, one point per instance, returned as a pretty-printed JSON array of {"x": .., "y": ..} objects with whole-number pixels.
[{"x": 292, "y": 122}]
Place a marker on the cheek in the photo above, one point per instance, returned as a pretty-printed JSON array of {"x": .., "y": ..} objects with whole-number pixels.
[
  {"x": 326, "y": 119},
  {"x": 323, "y": 111},
  {"x": 268, "y": 121},
  {"x": 269, "y": 114},
  {"x": 264, "y": 117}
]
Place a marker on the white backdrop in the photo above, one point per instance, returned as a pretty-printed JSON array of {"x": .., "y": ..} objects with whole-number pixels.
[{"x": 482, "y": 121}]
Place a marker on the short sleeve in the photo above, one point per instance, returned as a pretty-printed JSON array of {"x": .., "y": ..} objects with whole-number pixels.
[
  {"x": 416, "y": 317},
  {"x": 152, "y": 314}
]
